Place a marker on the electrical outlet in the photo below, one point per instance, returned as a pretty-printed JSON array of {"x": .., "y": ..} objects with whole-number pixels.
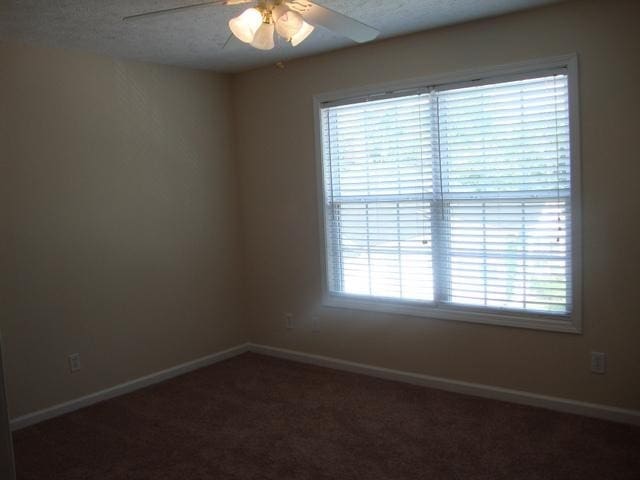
[
  {"x": 315, "y": 323},
  {"x": 74, "y": 362},
  {"x": 598, "y": 362},
  {"x": 288, "y": 319}
]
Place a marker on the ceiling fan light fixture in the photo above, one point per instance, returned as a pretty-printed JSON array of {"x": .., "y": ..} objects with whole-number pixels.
[
  {"x": 257, "y": 26},
  {"x": 288, "y": 24},
  {"x": 263, "y": 39},
  {"x": 302, "y": 34},
  {"x": 278, "y": 11},
  {"x": 246, "y": 25}
]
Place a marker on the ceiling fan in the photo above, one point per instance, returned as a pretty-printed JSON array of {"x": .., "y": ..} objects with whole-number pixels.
[{"x": 292, "y": 20}]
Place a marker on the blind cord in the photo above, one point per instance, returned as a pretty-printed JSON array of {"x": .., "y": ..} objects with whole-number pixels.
[{"x": 555, "y": 104}]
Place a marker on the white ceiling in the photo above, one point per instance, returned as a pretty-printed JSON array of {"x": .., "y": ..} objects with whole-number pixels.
[{"x": 195, "y": 37}]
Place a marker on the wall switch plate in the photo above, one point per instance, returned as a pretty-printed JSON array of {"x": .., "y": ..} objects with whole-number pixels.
[
  {"x": 315, "y": 323},
  {"x": 598, "y": 362},
  {"x": 288, "y": 319},
  {"x": 74, "y": 362}
]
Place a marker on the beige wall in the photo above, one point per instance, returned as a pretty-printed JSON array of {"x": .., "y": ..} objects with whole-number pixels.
[
  {"x": 274, "y": 108},
  {"x": 119, "y": 230}
]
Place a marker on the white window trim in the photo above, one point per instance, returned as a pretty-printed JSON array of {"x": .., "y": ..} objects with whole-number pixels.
[{"x": 569, "y": 324}]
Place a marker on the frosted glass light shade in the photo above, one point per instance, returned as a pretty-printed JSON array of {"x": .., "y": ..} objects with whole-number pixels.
[
  {"x": 263, "y": 39},
  {"x": 245, "y": 26},
  {"x": 288, "y": 24},
  {"x": 303, "y": 33}
]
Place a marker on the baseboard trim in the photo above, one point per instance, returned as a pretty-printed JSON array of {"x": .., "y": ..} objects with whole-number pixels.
[
  {"x": 123, "y": 388},
  {"x": 479, "y": 390}
]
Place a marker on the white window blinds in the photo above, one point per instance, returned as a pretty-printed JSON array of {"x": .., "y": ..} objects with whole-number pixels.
[{"x": 456, "y": 197}]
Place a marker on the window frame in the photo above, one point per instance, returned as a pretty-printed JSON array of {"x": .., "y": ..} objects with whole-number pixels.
[{"x": 571, "y": 323}]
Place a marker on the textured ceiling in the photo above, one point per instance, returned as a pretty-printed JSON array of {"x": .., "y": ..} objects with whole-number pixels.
[{"x": 195, "y": 37}]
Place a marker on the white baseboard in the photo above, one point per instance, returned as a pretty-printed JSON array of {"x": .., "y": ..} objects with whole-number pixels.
[
  {"x": 516, "y": 396},
  {"x": 497, "y": 393},
  {"x": 117, "y": 390}
]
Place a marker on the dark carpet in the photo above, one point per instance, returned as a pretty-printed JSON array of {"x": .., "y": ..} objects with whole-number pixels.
[{"x": 255, "y": 417}]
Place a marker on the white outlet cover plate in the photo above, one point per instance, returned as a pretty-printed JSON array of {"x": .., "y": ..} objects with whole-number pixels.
[
  {"x": 74, "y": 362},
  {"x": 598, "y": 362}
]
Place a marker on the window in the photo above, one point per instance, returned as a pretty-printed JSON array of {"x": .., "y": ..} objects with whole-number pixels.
[{"x": 454, "y": 200}]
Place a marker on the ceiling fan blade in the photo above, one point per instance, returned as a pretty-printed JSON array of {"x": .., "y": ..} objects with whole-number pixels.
[
  {"x": 334, "y": 21},
  {"x": 184, "y": 7}
]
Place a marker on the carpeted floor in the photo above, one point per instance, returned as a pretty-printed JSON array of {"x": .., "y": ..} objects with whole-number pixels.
[{"x": 254, "y": 417}]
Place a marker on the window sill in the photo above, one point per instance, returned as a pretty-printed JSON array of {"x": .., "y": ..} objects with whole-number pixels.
[{"x": 562, "y": 324}]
